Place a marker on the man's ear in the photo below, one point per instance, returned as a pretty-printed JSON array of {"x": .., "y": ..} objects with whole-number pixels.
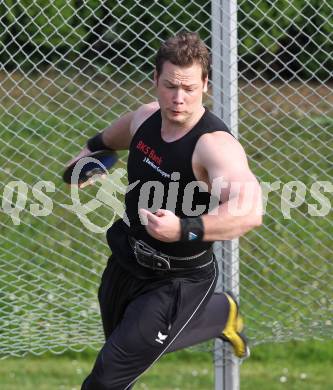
[
  {"x": 205, "y": 86},
  {"x": 155, "y": 78}
]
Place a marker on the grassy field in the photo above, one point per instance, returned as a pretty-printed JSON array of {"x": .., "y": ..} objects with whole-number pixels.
[{"x": 290, "y": 366}]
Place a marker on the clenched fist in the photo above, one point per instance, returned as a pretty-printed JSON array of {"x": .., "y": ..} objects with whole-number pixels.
[{"x": 164, "y": 225}]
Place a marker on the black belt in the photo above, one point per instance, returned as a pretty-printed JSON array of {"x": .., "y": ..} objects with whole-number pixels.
[{"x": 153, "y": 259}]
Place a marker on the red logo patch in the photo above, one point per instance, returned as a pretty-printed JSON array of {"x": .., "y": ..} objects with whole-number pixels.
[{"x": 149, "y": 152}]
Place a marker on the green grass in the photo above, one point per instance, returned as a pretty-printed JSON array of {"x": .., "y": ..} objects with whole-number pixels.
[{"x": 290, "y": 366}]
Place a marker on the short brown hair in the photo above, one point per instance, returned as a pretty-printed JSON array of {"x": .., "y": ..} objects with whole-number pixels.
[{"x": 183, "y": 49}]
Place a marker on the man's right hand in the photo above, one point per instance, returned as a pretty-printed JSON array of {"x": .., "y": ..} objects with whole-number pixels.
[{"x": 84, "y": 152}]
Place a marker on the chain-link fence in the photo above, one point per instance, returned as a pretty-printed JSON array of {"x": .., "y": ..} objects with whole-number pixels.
[
  {"x": 285, "y": 125},
  {"x": 68, "y": 69}
]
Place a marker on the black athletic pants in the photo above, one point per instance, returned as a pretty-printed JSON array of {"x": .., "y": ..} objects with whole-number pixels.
[{"x": 143, "y": 319}]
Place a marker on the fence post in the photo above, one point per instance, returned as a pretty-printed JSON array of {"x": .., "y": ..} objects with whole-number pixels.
[{"x": 225, "y": 105}]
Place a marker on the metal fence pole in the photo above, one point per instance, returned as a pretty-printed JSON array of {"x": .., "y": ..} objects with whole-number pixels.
[{"x": 225, "y": 105}]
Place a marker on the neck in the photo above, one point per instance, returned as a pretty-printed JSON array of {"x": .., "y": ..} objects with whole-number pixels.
[{"x": 173, "y": 130}]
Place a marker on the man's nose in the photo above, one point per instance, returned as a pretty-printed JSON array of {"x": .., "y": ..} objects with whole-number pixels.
[{"x": 178, "y": 96}]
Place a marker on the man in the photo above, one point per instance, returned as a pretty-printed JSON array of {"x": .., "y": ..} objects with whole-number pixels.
[{"x": 157, "y": 291}]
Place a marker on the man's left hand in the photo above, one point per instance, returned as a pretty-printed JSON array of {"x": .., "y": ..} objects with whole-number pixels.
[{"x": 163, "y": 225}]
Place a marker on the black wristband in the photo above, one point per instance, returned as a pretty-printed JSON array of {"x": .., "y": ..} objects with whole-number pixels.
[
  {"x": 96, "y": 143},
  {"x": 192, "y": 229}
]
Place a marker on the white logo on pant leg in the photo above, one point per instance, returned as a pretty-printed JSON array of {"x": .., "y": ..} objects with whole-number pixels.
[{"x": 161, "y": 337}]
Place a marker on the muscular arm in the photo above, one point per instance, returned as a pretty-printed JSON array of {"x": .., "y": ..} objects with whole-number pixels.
[
  {"x": 225, "y": 162},
  {"x": 221, "y": 162},
  {"x": 119, "y": 135}
]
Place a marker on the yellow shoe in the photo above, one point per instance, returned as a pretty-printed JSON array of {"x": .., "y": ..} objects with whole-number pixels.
[{"x": 232, "y": 331}]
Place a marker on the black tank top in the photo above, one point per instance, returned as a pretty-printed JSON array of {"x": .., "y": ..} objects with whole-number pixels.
[{"x": 163, "y": 171}]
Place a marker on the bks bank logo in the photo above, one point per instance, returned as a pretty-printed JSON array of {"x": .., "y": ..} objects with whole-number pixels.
[{"x": 149, "y": 152}]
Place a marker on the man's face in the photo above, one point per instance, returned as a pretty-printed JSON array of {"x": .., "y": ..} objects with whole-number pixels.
[{"x": 179, "y": 92}]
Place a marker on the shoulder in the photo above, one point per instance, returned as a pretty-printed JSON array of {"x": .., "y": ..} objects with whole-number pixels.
[
  {"x": 219, "y": 152},
  {"x": 219, "y": 143},
  {"x": 142, "y": 114}
]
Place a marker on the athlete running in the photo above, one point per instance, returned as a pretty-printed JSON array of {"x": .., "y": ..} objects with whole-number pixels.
[{"x": 157, "y": 291}]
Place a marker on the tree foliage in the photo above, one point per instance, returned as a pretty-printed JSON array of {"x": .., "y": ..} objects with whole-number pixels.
[{"x": 284, "y": 37}]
